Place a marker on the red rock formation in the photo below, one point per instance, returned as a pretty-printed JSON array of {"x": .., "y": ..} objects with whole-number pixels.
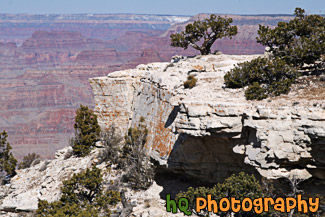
[
  {"x": 45, "y": 79},
  {"x": 103, "y": 56}
]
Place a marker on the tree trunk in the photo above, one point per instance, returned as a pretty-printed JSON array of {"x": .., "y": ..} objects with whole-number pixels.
[
  {"x": 205, "y": 51},
  {"x": 206, "y": 46}
]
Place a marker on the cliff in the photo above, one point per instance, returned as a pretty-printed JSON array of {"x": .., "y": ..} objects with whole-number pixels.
[
  {"x": 46, "y": 60},
  {"x": 209, "y": 132},
  {"x": 205, "y": 133}
]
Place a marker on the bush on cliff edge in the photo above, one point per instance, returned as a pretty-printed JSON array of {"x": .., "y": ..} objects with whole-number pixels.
[
  {"x": 82, "y": 195},
  {"x": 87, "y": 131},
  {"x": 263, "y": 77},
  {"x": 7, "y": 161},
  {"x": 190, "y": 82},
  {"x": 298, "y": 44}
]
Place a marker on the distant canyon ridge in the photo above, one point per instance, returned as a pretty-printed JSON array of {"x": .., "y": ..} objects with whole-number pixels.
[{"x": 46, "y": 60}]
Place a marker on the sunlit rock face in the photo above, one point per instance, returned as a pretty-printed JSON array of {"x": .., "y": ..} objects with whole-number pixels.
[
  {"x": 209, "y": 132},
  {"x": 46, "y": 60},
  {"x": 205, "y": 133}
]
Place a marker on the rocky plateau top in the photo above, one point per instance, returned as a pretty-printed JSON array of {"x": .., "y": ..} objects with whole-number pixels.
[{"x": 210, "y": 131}]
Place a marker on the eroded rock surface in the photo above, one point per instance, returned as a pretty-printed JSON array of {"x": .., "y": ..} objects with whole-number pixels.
[
  {"x": 210, "y": 131},
  {"x": 44, "y": 182},
  {"x": 207, "y": 132},
  {"x": 46, "y": 60}
]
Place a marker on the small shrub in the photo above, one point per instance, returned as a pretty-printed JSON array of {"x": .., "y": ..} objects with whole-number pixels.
[
  {"x": 29, "y": 160},
  {"x": 238, "y": 186},
  {"x": 7, "y": 161},
  {"x": 87, "y": 131},
  {"x": 111, "y": 142},
  {"x": 191, "y": 82},
  {"x": 191, "y": 194},
  {"x": 246, "y": 73},
  {"x": 263, "y": 77},
  {"x": 140, "y": 172},
  {"x": 82, "y": 195}
]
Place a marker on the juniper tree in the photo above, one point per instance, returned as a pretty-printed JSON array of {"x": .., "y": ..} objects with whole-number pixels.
[
  {"x": 299, "y": 41},
  {"x": 82, "y": 195},
  {"x": 293, "y": 45},
  {"x": 201, "y": 35},
  {"x": 87, "y": 131},
  {"x": 7, "y": 161}
]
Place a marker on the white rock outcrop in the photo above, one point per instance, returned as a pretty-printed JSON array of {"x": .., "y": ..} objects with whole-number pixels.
[
  {"x": 44, "y": 182},
  {"x": 207, "y": 132},
  {"x": 211, "y": 131}
]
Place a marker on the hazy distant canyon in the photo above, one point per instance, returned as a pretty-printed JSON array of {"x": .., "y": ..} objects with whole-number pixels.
[{"x": 46, "y": 60}]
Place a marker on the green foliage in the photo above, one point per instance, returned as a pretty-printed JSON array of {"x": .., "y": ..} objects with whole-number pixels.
[
  {"x": 59, "y": 209},
  {"x": 246, "y": 73},
  {"x": 192, "y": 193},
  {"x": 292, "y": 45},
  {"x": 206, "y": 31},
  {"x": 29, "y": 160},
  {"x": 87, "y": 131},
  {"x": 255, "y": 91},
  {"x": 82, "y": 188},
  {"x": 238, "y": 186},
  {"x": 298, "y": 42},
  {"x": 7, "y": 160},
  {"x": 82, "y": 196},
  {"x": 263, "y": 77},
  {"x": 191, "y": 82},
  {"x": 140, "y": 171}
]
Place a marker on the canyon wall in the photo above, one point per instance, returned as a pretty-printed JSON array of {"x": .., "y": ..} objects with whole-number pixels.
[
  {"x": 205, "y": 133},
  {"x": 46, "y": 60},
  {"x": 209, "y": 132}
]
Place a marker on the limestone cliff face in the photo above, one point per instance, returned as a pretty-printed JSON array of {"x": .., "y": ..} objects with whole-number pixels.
[{"x": 209, "y": 131}]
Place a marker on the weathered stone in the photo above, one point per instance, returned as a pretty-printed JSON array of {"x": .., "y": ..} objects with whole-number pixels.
[
  {"x": 43, "y": 183},
  {"x": 189, "y": 128},
  {"x": 196, "y": 111},
  {"x": 208, "y": 132}
]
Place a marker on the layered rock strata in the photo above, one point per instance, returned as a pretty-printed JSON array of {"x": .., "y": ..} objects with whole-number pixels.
[
  {"x": 46, "y": 60},
  {"x": 209, "y": 131}
]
